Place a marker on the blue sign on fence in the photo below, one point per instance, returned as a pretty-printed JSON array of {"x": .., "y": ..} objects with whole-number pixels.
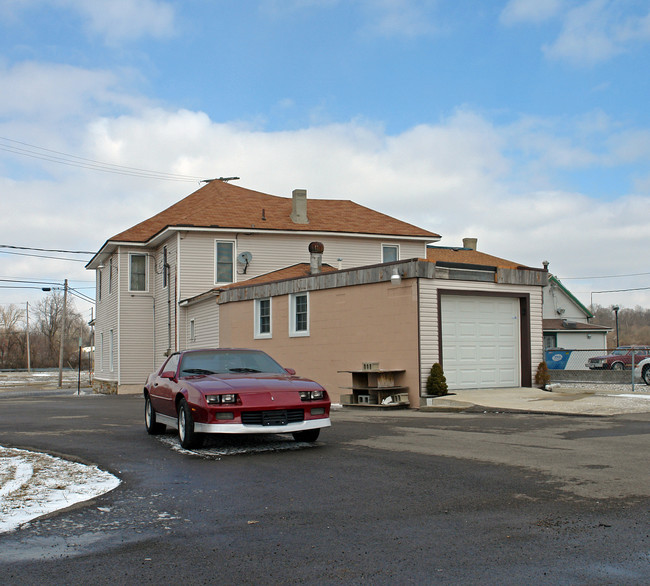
[{"x": 557, "y": 359}]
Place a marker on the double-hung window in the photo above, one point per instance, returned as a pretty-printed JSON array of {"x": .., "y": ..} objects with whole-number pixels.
[
  {"x": 263, "y": 318},
  {"x": 224, "y": 261},
  {"x": 137, "y": 272},
  {"x": 299, "y": 314}
]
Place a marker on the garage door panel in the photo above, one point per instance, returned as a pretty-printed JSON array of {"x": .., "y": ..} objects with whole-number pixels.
[{"x": 480, "y": 341}]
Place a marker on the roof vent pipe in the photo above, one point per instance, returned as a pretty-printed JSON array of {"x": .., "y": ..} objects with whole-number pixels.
[
  {"x": 299, "y": 206},
  {"x": 470, "y": 243},
  {"x": 316, "y": 257}
]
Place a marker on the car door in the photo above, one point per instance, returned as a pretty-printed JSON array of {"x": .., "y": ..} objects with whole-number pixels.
[{"x": 164, "y": 386}]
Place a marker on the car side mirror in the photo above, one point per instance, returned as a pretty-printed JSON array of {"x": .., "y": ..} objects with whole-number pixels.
[
  {"x": 170, "y": 374},
  {"x": 290, "y": 371}
]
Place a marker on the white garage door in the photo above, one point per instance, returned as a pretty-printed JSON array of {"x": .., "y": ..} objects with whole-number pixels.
[{"x": 480, "y": 341}]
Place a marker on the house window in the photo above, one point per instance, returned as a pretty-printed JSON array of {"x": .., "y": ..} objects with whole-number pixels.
[
  {"x": 299, "y": 314},
  {"x": 192, "y": 330},
  {"x": 137, "y": 272},
  {"x": 110, "y": 276},
  {"x": 99, "y": 285},
  {"x": 389, "y": 252},
  {"x": 110, "y": 351},
  {"x": 224, "y": 266},
  {"x": 262, "y": 318},
  {"x": 165, "y": 267}
]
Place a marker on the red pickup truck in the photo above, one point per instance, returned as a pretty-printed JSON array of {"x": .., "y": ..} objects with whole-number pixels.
[{"x": 620, "y": 358}]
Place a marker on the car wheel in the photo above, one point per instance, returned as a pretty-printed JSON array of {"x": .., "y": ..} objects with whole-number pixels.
[
  {"x": 309, "y": 435},
  {"x": 186, "y": 435},
  {"x": 153, "y": 427},
  {"x": 618, "y": 366},
  {"x": 645, "y": 375}
]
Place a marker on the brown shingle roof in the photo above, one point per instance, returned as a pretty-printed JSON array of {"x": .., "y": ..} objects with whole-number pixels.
[
  {"x": 220, "y": 204},
  {"x": 468, "y": 256},
  {"x": 294, "y": 271}
]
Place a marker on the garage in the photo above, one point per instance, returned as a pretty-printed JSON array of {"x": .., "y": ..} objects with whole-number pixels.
[{"x": 480, "y": 341}]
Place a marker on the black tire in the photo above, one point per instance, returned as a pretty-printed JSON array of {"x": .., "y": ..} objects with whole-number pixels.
[
  {"x": 153, "y": 427},
  {"x": 645, "y": 375},
  {"x": 618, "y": 366},
  {"x": 309, "y": 435},
  {"x": 187, "y": 437}
]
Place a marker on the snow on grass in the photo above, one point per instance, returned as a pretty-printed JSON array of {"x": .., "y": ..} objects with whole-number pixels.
[{"x": 34, "y": 484}]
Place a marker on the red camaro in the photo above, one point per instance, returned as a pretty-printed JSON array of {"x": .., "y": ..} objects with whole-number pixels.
[{"x": 232, "y": 391}]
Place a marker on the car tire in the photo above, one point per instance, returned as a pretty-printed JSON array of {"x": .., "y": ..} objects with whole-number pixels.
[
  {"x": 645, "y": 375},
  {"x": 618, "y": 366},
  {"x": 309, "y": 435},
  {"x": 187, "y": 437},
  {"x": 153, "y": 427}
]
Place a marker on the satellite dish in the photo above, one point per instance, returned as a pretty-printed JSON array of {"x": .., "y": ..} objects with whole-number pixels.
[{"x": 244, "y": 257}]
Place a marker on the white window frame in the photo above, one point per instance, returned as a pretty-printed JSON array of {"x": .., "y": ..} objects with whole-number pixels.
[
  {"x": 111, "y": 356},
  {"x": 146, "y": 272},
  {"x": 384, "y": 247},
  {"x": 234, "y": 261},
  {"x": 258, "y": 334},
  {"x": 293, "y": 332},
  {"x": 193, "y": 330}
]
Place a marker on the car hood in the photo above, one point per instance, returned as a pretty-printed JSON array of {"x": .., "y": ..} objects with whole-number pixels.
[{"x": 250, "y": 383}]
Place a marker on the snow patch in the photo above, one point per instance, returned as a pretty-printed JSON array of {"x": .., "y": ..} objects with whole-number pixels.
[{"x": 33, "y": 484}]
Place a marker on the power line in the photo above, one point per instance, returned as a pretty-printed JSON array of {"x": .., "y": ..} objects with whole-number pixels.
[
  {"x": 45, "y": 249},
  {"x": 43, "y": 256},
  {"x": 602, "y": 277},
  {"x": 53, "y": 156}
]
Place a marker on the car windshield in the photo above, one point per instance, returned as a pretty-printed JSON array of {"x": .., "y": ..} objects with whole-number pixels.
[{"x": 228, "y": 361}]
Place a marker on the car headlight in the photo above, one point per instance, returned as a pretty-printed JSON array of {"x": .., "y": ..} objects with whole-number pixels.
[
  {"x": 228, "y": 399},
  {"x": 312, "y": 395}
]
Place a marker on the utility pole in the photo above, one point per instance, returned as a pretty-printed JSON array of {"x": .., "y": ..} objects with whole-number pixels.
[
  {"x": 63, "y": 320},
  {"x": 29, "y": 365}
]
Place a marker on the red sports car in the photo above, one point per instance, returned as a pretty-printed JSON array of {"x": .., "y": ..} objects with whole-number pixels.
[{"x": 232, "y": 391}]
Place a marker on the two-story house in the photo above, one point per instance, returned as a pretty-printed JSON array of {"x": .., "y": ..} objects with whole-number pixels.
[{"x": 218, "y": 235}]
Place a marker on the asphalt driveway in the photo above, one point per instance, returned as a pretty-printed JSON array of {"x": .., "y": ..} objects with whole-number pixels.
[{"x": 383, "y": 498}]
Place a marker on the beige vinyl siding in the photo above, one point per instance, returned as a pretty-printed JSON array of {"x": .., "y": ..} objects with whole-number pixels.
[
  {"x": 135, "y": 333},
  {"x": 165, "y": 307},
  {"x": 273, "y": 251},
  {"x": 105, "y": 320},
  {"x": 428, "y": 294},
  {"x": 206, "y": 325}
]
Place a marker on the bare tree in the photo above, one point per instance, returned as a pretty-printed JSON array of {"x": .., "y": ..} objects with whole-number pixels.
[
  {"x": 49, "y": 316},
  {"x": 12, "y": 339}
]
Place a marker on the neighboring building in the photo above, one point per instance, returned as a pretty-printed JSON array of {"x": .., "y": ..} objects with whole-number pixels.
[
  {"x": 566, "y": 321},
  {"x": 218, "y": 235},
  {"x": 480, "y": 316}
]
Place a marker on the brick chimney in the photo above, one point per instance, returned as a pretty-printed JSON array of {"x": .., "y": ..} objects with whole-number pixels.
[
  {"x": 316, "y": 257},
  {"x": 299, "y": 206},
  {"x": 470, "y": 243}
]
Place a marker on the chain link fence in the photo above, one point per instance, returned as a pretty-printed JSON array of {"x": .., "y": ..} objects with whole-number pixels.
[{"x": 612, "y": 366}]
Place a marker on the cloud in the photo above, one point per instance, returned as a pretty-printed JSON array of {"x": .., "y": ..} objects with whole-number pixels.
[
  {"x": 463, "y": 176},
  {"x": 529, "y": 11},
  {"x": 116, "y": 21},
  {"x": 591, "y": 32}
]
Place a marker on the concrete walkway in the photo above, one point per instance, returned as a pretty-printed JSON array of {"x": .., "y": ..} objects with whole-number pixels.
[{"x": 585, "y": 400}]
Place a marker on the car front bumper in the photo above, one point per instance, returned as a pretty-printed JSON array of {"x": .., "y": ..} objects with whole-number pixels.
[{"x": 241, "y": 428}]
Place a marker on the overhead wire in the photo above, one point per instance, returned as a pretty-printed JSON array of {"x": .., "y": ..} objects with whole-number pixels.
[{"x": 62, "y": 158}]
